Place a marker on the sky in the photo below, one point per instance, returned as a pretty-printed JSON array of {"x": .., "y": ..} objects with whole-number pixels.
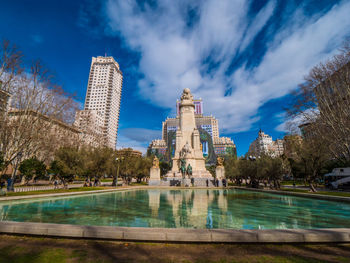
[{"x": 242, "y": 57}]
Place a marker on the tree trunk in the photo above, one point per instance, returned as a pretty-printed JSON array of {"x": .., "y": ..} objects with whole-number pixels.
[
  {"x": 312, "y": 188},
  {"x": 65, "y": 185},
  {"x": 114, "y": 183},
  {"x": 23, "y": 180}
]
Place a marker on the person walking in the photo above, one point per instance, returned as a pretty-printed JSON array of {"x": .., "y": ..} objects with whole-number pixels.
[{"x": 55, "y": 184}]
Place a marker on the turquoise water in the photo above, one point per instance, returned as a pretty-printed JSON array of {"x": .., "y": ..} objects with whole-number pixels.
[{"x": 234, "y": 209}]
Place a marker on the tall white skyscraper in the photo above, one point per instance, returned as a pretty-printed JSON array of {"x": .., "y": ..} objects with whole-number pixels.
[{"x": 103, "y": 96}]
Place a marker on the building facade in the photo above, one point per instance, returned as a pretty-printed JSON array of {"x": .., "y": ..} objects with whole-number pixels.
[
  {"x": 45, "y": 133},
  {"x": 129, "y": 152},
  {"x": 208, "y": 126},
  {"x": 264, "y": 144},
  {"x": 103, "y": 96},
  {"x": 90, "y": 123}
]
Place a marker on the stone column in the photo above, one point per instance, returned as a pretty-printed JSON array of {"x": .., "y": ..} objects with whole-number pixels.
[
  {"x": 220, "y": 170},
  {"x": 154, "y": 178}
]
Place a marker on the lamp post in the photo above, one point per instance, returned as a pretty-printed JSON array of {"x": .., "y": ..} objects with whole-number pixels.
[
  {"x": 13, "y": 178},
  {"x": 254, "y": 183},
  {"x": 118, "y": 160}
]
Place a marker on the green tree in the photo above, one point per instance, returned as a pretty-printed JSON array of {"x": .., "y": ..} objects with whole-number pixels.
[
  {"x": 231, "y": 169},
  {"x": 32, "y": 168},
  {"x": 60, "y": 171},
  {"x": 248, "y": 170},
  {"x": 164, "y": 167},
  {"x": 101, "y": 162},
  {"x": 68, "y": 163}
]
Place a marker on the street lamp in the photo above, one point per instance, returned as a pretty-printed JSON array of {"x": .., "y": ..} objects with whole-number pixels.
[
  {"x": 118, "y": 160},
  {"x": 254, "y": 184}
]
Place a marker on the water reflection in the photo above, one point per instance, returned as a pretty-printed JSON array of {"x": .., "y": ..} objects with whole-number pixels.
[{"x": 200, "y": 208}]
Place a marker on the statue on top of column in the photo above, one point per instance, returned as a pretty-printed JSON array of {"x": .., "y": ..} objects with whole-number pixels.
[
  {"x": 155, "y": 163},
  {"x": 186, "y": 95}
]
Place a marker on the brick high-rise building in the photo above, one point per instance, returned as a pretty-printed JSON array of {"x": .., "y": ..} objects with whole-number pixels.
[{"x": 103, "y": 96}]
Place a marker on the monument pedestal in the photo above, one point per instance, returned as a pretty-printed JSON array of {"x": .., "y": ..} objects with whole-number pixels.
[
  {"x": 154, "y": 178},
  {"x": 220, "y": 174},
  {"x": 188, "y": 164}
]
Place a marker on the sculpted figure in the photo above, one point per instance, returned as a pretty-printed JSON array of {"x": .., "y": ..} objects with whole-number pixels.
[
  {"x": 220, "y": 161},
  {"x": 186, "y": 150},
  {"x": 189, "y": 170},
  {"x": 155, "y": 162},
  {"x": 183, "y": 167},
  {"x": 186, "y": 95}
]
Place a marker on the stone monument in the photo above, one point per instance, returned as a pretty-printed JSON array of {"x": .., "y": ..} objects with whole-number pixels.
[
  {"x": 154, "y": 178},
  {"x": 188, "y": 163},
  {"x": 220, "y": 170}
]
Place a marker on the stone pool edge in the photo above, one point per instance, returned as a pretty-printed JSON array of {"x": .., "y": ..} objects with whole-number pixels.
[
  {"x": 135, "y": 234},
  {"x": 306, "y": 195}
]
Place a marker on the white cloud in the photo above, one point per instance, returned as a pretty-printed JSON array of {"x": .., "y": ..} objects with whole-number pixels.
[
  {"x": 125, "y": 142},
  {"x": 175, "y": 56},
  {"x": 138, "y": 138},
  {"x": 291, "y": 124}
]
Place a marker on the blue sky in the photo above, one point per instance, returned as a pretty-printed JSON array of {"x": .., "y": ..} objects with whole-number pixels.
[{"x": 242, "y": 58}]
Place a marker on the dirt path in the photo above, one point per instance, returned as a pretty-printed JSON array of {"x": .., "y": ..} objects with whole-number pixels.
[{"x": 35, "y": 249}]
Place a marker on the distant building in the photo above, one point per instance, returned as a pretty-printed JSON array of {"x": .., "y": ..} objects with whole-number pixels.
[
  {"x": 224, "y": 146},
  {"x": 158, "y": 147},
  {"x": 208, "y": 127},
  {"x": 308, "y": 130},
  {"x": 57, "y": 133},
  {"x": 103, "y": 96},
  {"x": 90, "y": 123},
  {"x": 129, "y": 152},
  {"x": 264, "y": 144},
  {"x": 290, "y": 144}
]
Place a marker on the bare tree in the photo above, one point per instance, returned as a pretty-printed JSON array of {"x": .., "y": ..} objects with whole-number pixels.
[
  {"x": 323, "y": 102},
  {"x": 39, "y": 111},
  {"x": 10, "y": 64}
]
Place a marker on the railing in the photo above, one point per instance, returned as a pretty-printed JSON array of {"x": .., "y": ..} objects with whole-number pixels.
[
  {"x": 42, "y": 188},
  {"x": 50, "y": 187}
]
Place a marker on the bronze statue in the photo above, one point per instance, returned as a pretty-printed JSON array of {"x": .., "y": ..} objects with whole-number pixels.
[
  {"x": 183, "y": 167},
  {"x": 189, "y": 170}
]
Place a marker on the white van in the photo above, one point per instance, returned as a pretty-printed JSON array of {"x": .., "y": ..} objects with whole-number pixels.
[{"x": 339, "y": 177}]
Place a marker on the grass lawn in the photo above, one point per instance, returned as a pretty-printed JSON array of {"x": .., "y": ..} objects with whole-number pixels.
[
  {"x": 331, "y": 193},
  {"x": 139, "y": 184},
  {"x": 78, "y": 189},
  {"x": 16, "y": 249}
]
